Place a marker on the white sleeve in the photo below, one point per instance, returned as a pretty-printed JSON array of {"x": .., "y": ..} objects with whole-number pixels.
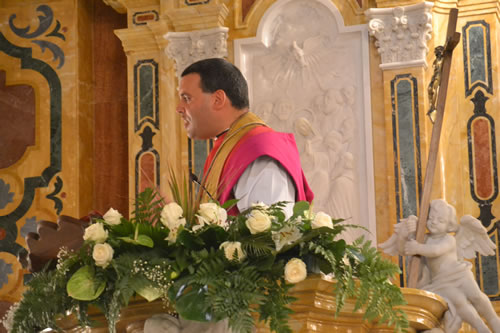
[{"x": 265, "y": 180}]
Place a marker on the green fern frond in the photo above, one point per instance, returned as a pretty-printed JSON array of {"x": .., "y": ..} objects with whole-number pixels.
[{"x": 259, "y": 245}]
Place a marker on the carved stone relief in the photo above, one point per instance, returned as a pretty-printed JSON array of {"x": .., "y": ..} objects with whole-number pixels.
[
  {"x": 401, "y": 34},
  {"x": 307, "y": 76},
  {"x": 188, "y": 47}
]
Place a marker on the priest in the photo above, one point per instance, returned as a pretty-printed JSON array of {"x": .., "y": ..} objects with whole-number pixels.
[{"x": 249, "y": 161}]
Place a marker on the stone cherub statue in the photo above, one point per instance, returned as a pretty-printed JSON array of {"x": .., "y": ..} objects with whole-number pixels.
[{"x": 444, "y": 270}]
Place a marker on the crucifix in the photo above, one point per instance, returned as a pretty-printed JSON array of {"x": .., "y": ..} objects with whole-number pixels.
[{"x": 440, "y": 81}]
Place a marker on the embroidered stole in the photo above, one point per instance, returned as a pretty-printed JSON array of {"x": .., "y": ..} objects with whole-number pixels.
[{"x": 217, "y": 157}]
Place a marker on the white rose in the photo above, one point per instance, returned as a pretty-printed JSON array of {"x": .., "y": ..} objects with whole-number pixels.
[
  {"x": 258, "y": 221},
  {"x": 102, "y": 254},
  {"x": 211, "y": 213},
  {"x": 322, "y": 220},
  {"x": 171, "y": 215},
  {"x": 295, "y": 270},
  {"x": 95, "y": 232},
  {"x": 112, "y": 217},
  {"x": 230, "y": 248}
]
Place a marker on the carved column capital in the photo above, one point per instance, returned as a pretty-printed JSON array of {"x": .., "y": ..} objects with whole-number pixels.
[
  {"x": 401, "y": 34},
  {"x": 188, "y": 47}
]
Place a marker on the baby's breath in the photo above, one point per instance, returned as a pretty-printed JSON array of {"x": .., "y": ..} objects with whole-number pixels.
[{"x": 193, "y": 269}]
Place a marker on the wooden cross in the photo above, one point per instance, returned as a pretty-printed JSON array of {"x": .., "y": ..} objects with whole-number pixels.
[{"x": 452, "y": 39}]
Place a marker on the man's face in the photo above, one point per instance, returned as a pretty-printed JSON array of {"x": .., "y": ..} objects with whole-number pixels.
[{"x": 195, "y": 108}]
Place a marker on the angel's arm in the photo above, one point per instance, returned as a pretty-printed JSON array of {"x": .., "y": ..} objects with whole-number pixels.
[
  {"x": 443, "y": 246},
  {"x": 403, "y": 231}
]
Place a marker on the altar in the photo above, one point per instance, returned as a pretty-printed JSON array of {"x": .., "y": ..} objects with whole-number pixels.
[{"x": 88, "y": 92}]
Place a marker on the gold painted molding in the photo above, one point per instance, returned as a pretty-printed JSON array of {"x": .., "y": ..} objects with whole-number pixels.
[
  {"x": 117, "y": 5},
  {"x": 468, "y": 7},
  {"x": 198, "y": 17},
  {"x": 159, "y": 30},
  {"x": 122, "y": 6},
  {"x": 140, "y": 39},
  {"x": 396, "y": 3},
  {"x": 314, "y": 311}
]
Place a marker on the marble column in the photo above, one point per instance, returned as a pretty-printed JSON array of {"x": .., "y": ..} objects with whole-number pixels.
[
  {"x": 198, "y": 33},
  {"x": 401, "y": 35},
  {"x": 161, "y": 39}
]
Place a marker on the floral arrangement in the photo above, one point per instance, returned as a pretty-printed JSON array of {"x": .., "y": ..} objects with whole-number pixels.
[{"x": 209, "y": 266}]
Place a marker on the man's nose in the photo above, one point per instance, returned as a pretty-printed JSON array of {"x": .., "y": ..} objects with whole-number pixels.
[{"x": 179, "y": 109}]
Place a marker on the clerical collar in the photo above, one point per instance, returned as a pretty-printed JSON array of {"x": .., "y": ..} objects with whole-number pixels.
[
  {"x": 221, "y": 133},
  {"x": 227, "y": 129}
]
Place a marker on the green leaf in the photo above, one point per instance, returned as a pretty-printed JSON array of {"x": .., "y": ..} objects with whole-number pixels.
[
  {"x": 213, "y": 236},
  {"x": 143, "y": 287},
  {"x": 265, "y": 263},
  {"x": 141, "y": 240},
  {"x": 189, "y": 240},
  {"x": 84, "y": 285},
  {"x": 192, "y": 306},
  {"x": 229, "y": 204},
  {"x": 181, "y": 259},
  {"x": 300, "y": 207},
  {"x": 145, "y": 241}
]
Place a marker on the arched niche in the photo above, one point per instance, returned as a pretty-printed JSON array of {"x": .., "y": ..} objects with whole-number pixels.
[{"x": 308, "y": 74}]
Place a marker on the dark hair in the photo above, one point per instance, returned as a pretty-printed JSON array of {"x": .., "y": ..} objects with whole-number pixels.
[{"x": 217, "y": 73}]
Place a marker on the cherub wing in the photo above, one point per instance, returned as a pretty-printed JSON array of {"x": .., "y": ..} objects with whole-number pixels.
[
  {"x": 395, "y": 244},
  {"x": 472, "y": 237}
]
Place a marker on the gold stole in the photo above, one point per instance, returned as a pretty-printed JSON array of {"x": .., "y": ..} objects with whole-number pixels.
[{"x": 238, "y": 129}]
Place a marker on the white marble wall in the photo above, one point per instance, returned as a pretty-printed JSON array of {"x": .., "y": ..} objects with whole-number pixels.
[{"x": 309, "y": 75}]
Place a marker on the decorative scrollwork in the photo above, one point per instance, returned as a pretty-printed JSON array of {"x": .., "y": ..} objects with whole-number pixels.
[
  {"x": 45, "y": 21},
  {"x": 58, "y": 205}
]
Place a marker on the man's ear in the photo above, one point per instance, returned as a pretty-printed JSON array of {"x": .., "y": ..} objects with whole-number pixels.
[{"x": 219, "y": 99}]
